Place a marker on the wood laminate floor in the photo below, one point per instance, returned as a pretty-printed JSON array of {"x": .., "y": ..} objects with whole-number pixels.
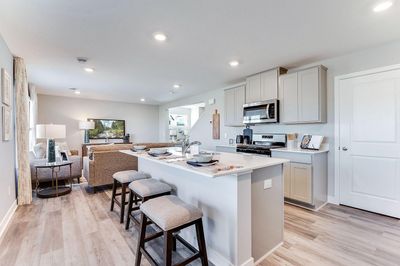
[{"x": 79, "y": 229}]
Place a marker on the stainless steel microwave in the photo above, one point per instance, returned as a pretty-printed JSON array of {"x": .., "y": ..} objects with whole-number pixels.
[{"x": 261, "y": 112}]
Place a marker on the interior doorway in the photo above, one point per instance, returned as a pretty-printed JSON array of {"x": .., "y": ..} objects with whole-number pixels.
[
  {"x": 182, "y": 119},
  {"x": 369, "y": 141}
]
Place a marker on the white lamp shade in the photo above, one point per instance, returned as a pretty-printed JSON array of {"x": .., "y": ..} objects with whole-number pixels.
[
  {"x": 50, "y": 131},
  {"x": 86, "y": 125}
]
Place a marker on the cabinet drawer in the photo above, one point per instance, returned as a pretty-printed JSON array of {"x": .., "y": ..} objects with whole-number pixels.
[{"x": 293, "y": 157}]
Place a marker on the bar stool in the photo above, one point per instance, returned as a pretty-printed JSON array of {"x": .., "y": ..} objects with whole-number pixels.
[
  {"x": 123, "y": 178},
  {"x": 144, "y": 189},
  {"x": 171, "y": 214}
]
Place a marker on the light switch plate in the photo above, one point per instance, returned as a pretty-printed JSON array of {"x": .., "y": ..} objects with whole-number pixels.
[{"x": 267, "y": 183}]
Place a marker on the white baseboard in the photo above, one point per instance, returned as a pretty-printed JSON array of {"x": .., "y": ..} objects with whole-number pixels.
[
  {"x": 249, "y": 262},
  {"x": 333, "y": 200},
  {"x": 268, "y": 253},
  {"x": 216, "y": 258},
  {"x": 7, "y": 218}
]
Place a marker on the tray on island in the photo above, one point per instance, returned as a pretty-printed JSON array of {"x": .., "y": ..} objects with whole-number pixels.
[{"x": 199, "y": 164}]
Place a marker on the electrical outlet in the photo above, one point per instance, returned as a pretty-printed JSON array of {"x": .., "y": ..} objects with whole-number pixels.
[
  {"x": 267, "y": 183},
  {"x": 225, "y": 135}
]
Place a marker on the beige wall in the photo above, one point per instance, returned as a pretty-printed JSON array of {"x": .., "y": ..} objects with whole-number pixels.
[
  {"x": 141, "y": 120},
  {"x": 384, "y": 55},
  {"x": 7, "y": 155}
]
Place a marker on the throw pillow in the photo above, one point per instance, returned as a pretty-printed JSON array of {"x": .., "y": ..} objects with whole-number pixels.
[{"x": 39, "y": 150}]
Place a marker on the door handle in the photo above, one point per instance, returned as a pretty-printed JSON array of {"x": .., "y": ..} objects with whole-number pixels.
[{"x": 344, "y": 148}]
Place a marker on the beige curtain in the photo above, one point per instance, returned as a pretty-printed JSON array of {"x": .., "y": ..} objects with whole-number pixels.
[
  {"x": 33, "y": 115},
  {"x": 22, "y": 132}
]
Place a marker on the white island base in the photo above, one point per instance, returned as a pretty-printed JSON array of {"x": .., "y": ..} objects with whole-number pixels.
[{"x": 243, "y": 222}]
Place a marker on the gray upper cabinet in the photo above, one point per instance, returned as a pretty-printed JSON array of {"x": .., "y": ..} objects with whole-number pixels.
[
  {"x": 288, "y": 98},
  {"x": 253, "y": 88},
  {"x": 263, "y": 86},
  {"x": 234, "y": 100},
  {"x": 302, "y": 96}
]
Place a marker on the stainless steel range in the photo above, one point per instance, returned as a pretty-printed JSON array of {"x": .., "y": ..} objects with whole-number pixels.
[{"x": 263, "y": 143}]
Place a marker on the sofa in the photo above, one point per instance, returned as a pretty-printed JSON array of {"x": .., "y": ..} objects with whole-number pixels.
[
  {"x": 105, "y": 160},
  {"x": 44, "y": 174}
]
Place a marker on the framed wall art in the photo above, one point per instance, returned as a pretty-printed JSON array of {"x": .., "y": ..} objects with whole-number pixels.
[
  {"x": 6, "y": 123},
  {"x": 5, "y": 87}
]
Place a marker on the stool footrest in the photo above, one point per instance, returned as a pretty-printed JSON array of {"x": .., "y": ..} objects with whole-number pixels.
[
  {"x": 188, "y": 260},
  {"x": 153, "y": 236},
  {"x": 186, "y": 244}
]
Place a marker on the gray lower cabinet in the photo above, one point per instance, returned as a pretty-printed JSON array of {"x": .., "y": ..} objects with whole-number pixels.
[
  {"x": 302, "y": 96},
  {"x": 305, "y": 178},
  {"x": 234, "y": 100}
]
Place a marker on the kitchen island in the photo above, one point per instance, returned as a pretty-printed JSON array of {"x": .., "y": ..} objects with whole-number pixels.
[{"x": 241, "y": 198}]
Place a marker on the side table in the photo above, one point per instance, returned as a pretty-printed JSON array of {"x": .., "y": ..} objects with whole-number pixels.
[{"x": 55, "y": 190}]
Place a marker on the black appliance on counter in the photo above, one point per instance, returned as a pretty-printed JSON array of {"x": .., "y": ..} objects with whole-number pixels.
[
  {"x": 263, "y": 143},
  {"x": 239, "y": 139},
  {"x": 247, "y": 135}
]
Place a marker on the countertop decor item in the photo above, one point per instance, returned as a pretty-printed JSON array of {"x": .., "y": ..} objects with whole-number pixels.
[
  {"x": 311, "y": 142},
  {"x": 50, "y": 132},
  {"x": 86, "y": 125},
  {"x": 291, "y": 140},
  {"x": 216, "y": 124}
]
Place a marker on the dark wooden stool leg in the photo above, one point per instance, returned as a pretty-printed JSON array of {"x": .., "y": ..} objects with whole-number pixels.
[
  {"x": 168, "y": 244},
  {"x": 114, "y": 189},
  {"x": 123, "y": 195},
  {"x": 140, "y": 243},
  {"x": 128, "y": 216},
  {"x": 173, "y": 243},
  {"x": 202, "y": 243}
]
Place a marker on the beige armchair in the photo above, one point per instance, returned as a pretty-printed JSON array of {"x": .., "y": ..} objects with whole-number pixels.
[{"x": 105, "y": 160}]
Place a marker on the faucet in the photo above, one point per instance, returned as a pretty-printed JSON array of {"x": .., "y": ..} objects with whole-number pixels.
[{"x": 186, "y": 145}]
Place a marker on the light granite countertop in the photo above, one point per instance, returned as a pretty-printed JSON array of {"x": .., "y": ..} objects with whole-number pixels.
[{"x": 229, "y": 163}]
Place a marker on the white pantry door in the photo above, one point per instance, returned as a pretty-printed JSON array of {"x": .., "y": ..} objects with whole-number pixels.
[{"x": 370, "y": 142}]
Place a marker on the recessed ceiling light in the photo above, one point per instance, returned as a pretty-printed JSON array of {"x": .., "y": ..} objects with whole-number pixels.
[
  {"x": 234, "y": 63},
  {"x": 89, "y": 69},
  {"x": 75, "y": 90},
  {"x": 177, "y": 86},
  {"x": 383, "y": 6},
  {"x": 142, "y": 99},
  {"x": 159, "y": 36}
]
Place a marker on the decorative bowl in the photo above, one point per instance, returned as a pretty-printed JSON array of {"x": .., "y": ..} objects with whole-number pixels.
[
  {"x": 139, "y": 147},
  {"x": 203, "y": 157},
  {"x": 158, "y": 150}
]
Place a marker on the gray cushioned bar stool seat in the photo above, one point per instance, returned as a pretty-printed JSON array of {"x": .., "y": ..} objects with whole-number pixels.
[
  {"x": 123, "y": 179},
  {"x": 149, "y": 187},
  {"x": 171, "y": 214},
  {"x": 130, "y": 175},
  {"x": 144, "y": 190}
]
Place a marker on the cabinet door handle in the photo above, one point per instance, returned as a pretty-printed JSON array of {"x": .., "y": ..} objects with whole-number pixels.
[{"x": 344, "y": 148}]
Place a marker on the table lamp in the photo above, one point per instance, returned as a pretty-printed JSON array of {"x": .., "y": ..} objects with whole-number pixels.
[
  {"x": 86, "y": 125},
  {"x": 50, "y": 132}
]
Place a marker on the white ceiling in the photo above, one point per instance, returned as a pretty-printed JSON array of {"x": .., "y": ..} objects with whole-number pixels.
[{"x": 203, "y": 36}]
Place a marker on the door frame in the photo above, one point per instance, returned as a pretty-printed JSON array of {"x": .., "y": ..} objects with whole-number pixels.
[{"x": 336, "y": 198}]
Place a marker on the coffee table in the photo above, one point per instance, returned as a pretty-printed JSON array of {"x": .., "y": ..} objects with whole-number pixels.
[{"x": 55, "y": 190}]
